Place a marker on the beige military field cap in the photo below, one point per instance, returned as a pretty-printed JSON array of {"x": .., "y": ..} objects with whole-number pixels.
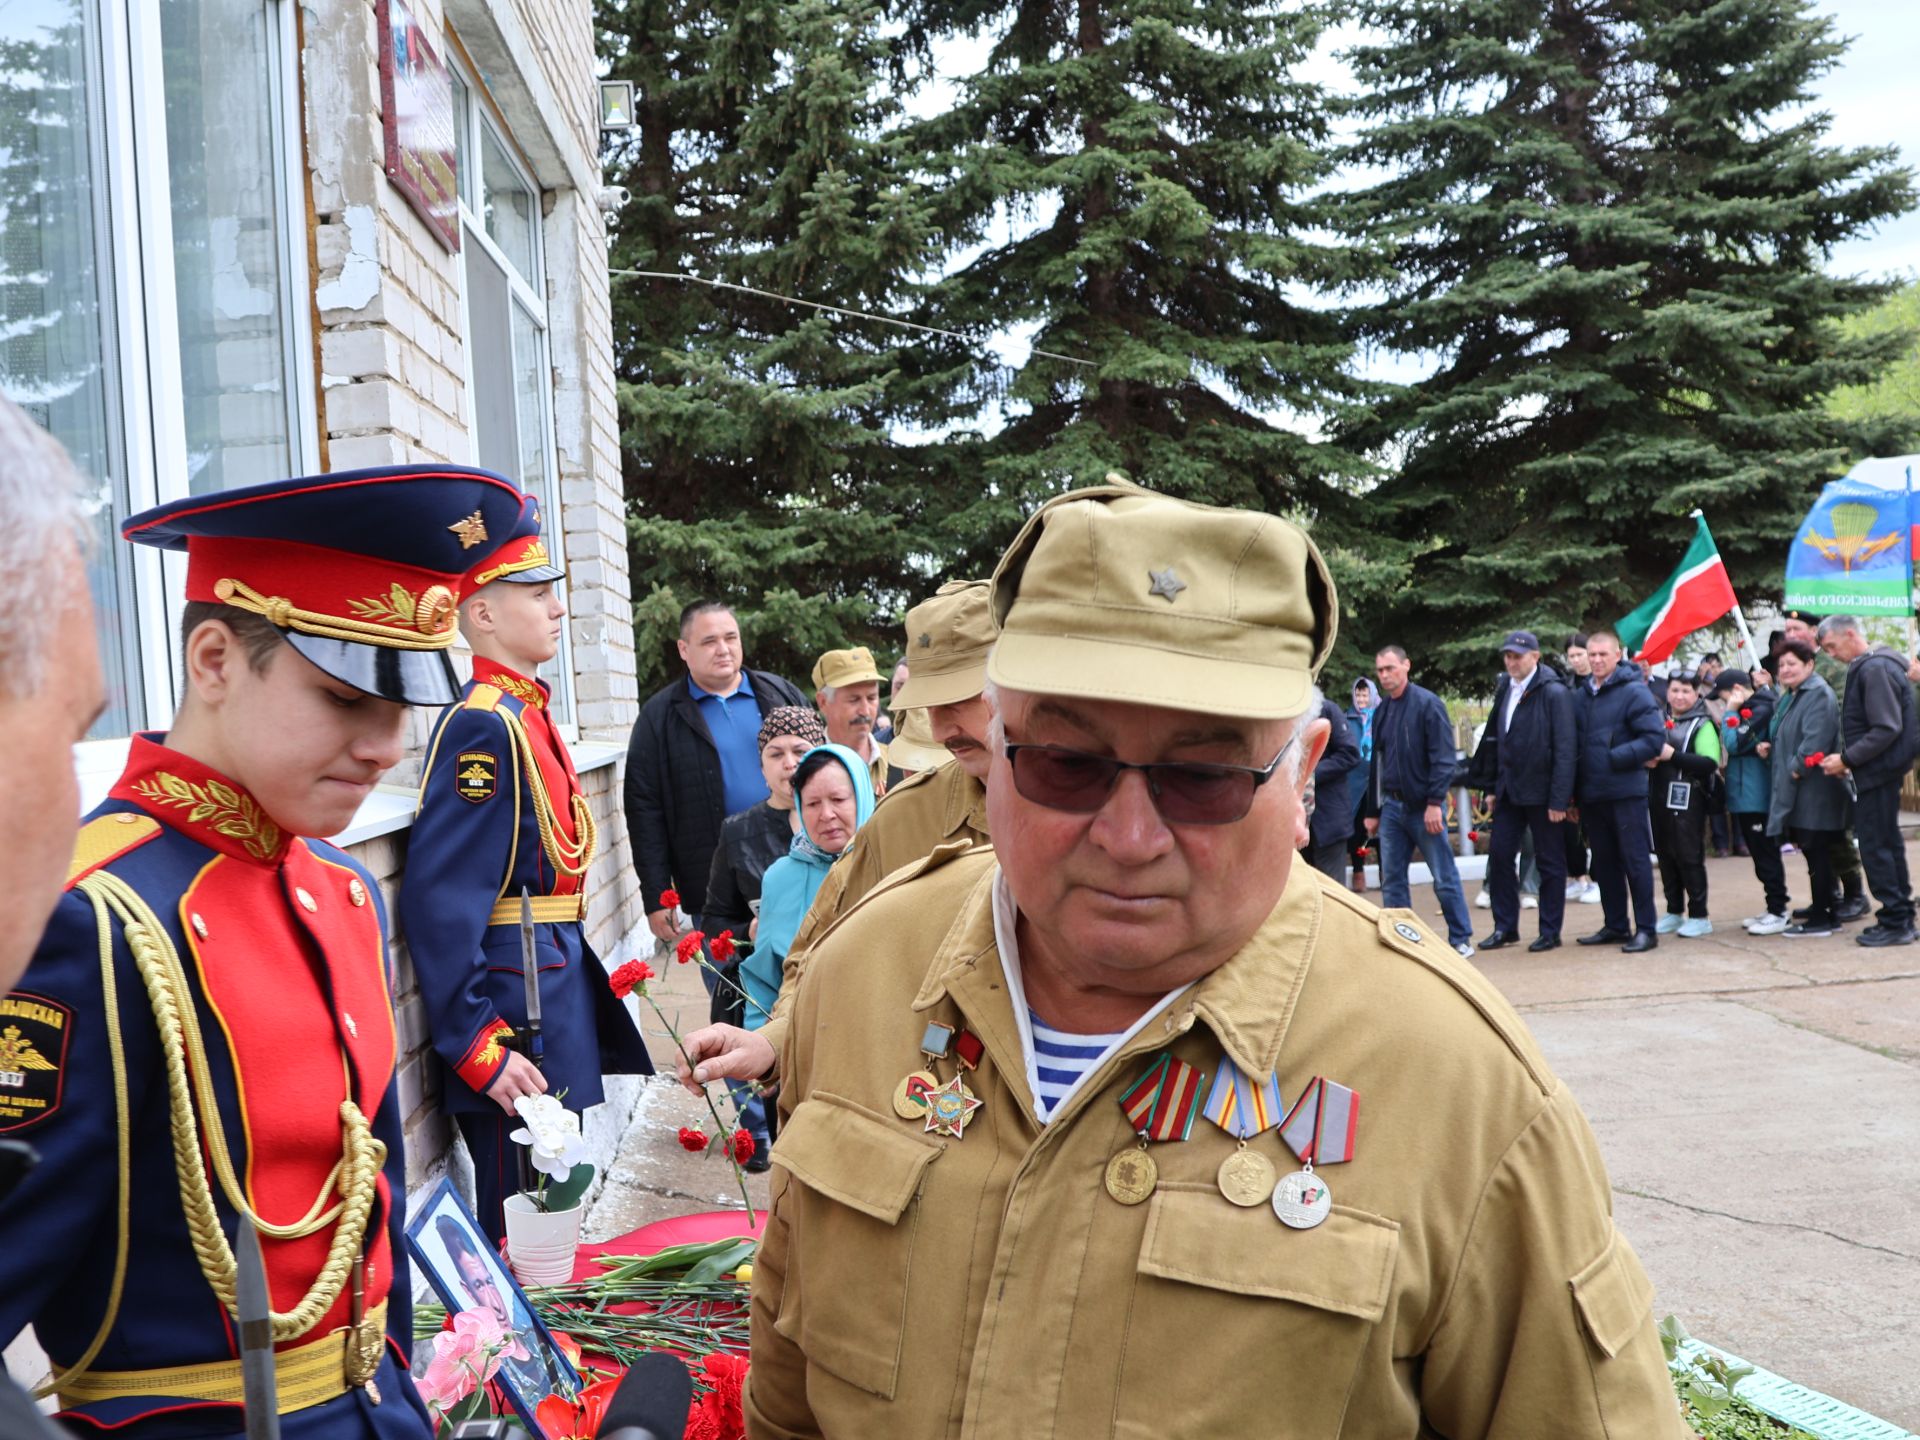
[
  {"x": 844, "y": 667},
  {"x": 1117, "y": 593},
  {"x": 948, "y": 637},
  {"x": 912, "y": 746}
]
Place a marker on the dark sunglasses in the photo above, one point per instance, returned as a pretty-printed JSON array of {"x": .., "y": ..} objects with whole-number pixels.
[{"x": 1079, "y": 783}]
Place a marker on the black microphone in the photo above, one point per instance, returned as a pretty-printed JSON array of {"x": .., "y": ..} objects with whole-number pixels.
[{"x": 652, "y": 1401}]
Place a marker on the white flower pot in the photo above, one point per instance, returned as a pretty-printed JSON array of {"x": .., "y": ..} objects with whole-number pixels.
[{"x": 541, "y": 1244}]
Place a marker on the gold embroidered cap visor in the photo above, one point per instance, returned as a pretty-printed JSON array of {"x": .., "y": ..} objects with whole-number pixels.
[
  {"x": 360, "y": 571},
  {"x": 948, "y": 638},
  {"x": 1117, "y": 593},
  {"x": 844, "y": 667}
]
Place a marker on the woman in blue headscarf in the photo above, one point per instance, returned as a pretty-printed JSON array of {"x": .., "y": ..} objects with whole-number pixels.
[
  {"x": 1366, "y": 705},
  {"x": 833, "y": 792}
]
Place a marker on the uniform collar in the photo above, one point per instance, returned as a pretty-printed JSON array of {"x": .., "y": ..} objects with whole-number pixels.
[
  {"x": 199, "y": 802},
  {"x": 510, "y": 682},
  {"x": 966, "y": 803},
  {"x": 1248, "y": 1002}
]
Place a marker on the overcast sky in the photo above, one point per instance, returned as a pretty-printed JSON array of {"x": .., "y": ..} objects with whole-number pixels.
[{"x": 1874, "y": 97}]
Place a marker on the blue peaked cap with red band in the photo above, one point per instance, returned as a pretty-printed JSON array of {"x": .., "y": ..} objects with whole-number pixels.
[{"x": 360, "y": 570}]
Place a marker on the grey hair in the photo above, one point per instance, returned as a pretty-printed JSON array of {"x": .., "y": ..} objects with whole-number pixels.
[
  {"x": 1296, "y": 766},
  {"x": 827, "y": 692},
  {"x": 41, "y": 500},
  {"x": 1837, "y": 625}
]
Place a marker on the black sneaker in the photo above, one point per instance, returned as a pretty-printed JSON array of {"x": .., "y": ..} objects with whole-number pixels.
[
  {"x": 1811, "y": 929},
  {"x": 1878, "y": 935},
  {"x": 1854, "y": 907}
]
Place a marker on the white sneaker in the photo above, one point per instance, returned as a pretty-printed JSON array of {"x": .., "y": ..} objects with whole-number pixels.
[
  {"x": 1577, "y": 888},
  {"x": 1527, "y": 902},
  {"x": 1484, "y": 901},
  {"x": 1768, "y": 925},
  {"x": 1694, "y": 926},
  {"x": 1591, "y": 895},
  {"x": 1465, "y": 951}
]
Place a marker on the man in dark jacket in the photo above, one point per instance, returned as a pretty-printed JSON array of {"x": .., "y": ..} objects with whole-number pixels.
[
  {"x": 1413, "y": 763},
  {"x": 694, "y": 759},
  {"x": 1536, "y": 749},
  {"x": 1622, "y": 735},
  {"x": 1330, "y": 830},
  {"x": 1878, "y": 743},
  {"x": 1851, "y": 903}
]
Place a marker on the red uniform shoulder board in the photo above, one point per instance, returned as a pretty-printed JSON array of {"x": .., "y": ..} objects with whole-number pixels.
[
  {"x": 475, "y": 775},
  {"x": 33, "y": 1058}
]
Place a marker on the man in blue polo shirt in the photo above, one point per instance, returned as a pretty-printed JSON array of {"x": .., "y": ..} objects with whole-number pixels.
[{"x": 694, "y": 759}]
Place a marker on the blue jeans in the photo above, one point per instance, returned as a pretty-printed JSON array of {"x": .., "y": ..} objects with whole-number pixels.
[{"x": 1402, "y": 829}]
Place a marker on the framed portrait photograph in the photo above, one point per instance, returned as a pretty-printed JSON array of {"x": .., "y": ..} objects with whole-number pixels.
[{"x": 468, "y": 1274}]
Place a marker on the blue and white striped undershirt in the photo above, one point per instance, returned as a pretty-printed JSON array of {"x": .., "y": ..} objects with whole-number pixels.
[{"x": 1061, "y": 1058}]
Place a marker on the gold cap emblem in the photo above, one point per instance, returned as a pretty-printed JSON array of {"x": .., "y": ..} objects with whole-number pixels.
[{"x": 471, "y": 531}]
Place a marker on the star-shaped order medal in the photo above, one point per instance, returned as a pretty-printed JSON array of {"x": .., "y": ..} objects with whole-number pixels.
[
  {"x": 950, "y": 1107},
  {"x": 1165, "y": 582}
]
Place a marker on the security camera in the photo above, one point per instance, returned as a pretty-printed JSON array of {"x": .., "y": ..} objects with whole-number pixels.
[{"x": 612, "y": 198}]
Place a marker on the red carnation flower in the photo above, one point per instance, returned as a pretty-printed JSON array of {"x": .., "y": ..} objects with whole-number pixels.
[
  {"x": 722, "y": 949},
  {"x": 1746, "y": 714},
  {"x": 692, "y": 1139},
  {"x": 742, "y": 1147},
  {"x": 689, "y": 946},
  {"x": 1813, "y": 760},
  {"x": 1473, "y": 836},
  {"x": 630, "y": 977},
  {"x": 1733, "y": 721},
  {"x": 669, "y": 899},
  {"x": 1669, "y": 724}
]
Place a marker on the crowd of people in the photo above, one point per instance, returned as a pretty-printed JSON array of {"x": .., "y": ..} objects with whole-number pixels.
[{"x": 1641, "y": 768}]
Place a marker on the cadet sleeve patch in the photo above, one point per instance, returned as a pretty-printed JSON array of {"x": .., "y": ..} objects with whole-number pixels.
[
  {"x": 33, "y": 1058},
  {"x": 476, "y": 774}
]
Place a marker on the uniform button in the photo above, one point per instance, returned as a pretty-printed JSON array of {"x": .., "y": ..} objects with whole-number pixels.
[
  {"x": 356, "y": 892},
  {"x": 307, "y": 901},
  {"x": 126, "y": 817},
  {"x": 199, "y": 927}
]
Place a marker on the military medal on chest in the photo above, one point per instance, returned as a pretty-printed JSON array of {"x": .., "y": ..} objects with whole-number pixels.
[
  {"x": 1320, "y": 1131},
  {"x": 1159, "y": 1106},
  {"x": 947, "y": 1107},
  {"x": 1245, "y": 1107}
]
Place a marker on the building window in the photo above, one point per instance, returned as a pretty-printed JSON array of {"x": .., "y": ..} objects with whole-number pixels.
[
  {"x": 509, "y": 372},
  {"x": 152, "y": 275}
]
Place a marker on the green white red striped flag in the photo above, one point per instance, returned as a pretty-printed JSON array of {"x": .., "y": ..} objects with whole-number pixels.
[{"x": 1695, "y": 595}]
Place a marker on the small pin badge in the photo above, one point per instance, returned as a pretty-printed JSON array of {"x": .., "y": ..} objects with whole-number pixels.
[
  {"x": 1165, "y": 582},
  {"x": 926, "y": 640},
  {"x": 1406, "y": 932},
  {"x": 352, "y": 1029}
]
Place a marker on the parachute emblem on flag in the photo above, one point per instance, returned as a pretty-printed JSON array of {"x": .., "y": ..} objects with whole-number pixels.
[{"x": 1853, "y": 541}]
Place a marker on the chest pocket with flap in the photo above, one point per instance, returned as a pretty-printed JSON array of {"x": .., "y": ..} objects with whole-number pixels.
[
  {"x": 1235, "y": 1316},
  {"x": 859, "y": 1209}
]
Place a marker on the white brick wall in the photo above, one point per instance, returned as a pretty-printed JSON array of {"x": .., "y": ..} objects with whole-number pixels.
[{"x": 394, "y": 390}]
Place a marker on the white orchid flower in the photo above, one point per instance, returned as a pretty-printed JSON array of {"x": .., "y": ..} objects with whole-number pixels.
[{"x": 552, "y": 1132}]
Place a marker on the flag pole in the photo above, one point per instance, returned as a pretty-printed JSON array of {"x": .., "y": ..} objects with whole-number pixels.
[{"x": 1739, "y": 619}]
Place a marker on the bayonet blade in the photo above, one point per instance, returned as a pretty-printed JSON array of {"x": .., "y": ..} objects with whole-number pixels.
[
  {"x": 530, "y": 973},
  {"x": 254, "y": 1311}
]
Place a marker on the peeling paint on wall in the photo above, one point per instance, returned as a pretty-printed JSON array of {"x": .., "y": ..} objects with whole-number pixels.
[{"x": 359, "y": 278}]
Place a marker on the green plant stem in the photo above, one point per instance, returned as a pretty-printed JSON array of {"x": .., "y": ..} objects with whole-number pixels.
[{"x": 719, "y": 1125}]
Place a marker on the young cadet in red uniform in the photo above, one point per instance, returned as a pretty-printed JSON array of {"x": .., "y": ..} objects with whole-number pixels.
[
  {"x": 501, "y": 808},
  {"x": 205, "y": 1032}
]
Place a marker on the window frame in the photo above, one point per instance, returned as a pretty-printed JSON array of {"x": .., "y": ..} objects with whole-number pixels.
[
  {"x": 146, "y": 386},
  {"x": 483, "y": 116}
]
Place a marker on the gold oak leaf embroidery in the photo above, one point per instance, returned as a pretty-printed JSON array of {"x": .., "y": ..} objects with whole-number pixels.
[
  {"x": 17, "y": 1052},
  {"x": 398, "y": 606},
  {"x": 228, "y": 811},
  {"x": 520, "y": 689}
]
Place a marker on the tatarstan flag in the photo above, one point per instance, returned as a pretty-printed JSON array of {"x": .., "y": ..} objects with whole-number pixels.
[{"x": 1695, "y": 595}]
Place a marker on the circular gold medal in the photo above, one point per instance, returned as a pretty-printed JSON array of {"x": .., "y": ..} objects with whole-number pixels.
[
  {"x": 1246, "y": 1178},
  {"x": 1131, "y": 1176},
  {"x": 910, "y": 1095}
]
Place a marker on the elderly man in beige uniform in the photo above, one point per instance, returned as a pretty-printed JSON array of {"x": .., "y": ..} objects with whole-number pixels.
[{"x": 1130, "y": 1126}]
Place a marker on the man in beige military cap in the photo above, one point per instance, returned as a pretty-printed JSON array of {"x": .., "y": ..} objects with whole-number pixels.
[
  {"x": 948, "y": 639},
  {"x": 846, "y": 686},
  {"x": 1131, "y": 1126}
]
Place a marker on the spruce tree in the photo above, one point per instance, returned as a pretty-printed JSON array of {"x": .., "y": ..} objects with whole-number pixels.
[
  {"x": 1611, "y": 228},
  {"x": 1126, "y": 184},
  {"x": 759, "y": 460}
]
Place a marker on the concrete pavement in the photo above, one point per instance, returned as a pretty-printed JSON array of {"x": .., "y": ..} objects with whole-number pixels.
[{"x": 1757, "y": 1101}]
